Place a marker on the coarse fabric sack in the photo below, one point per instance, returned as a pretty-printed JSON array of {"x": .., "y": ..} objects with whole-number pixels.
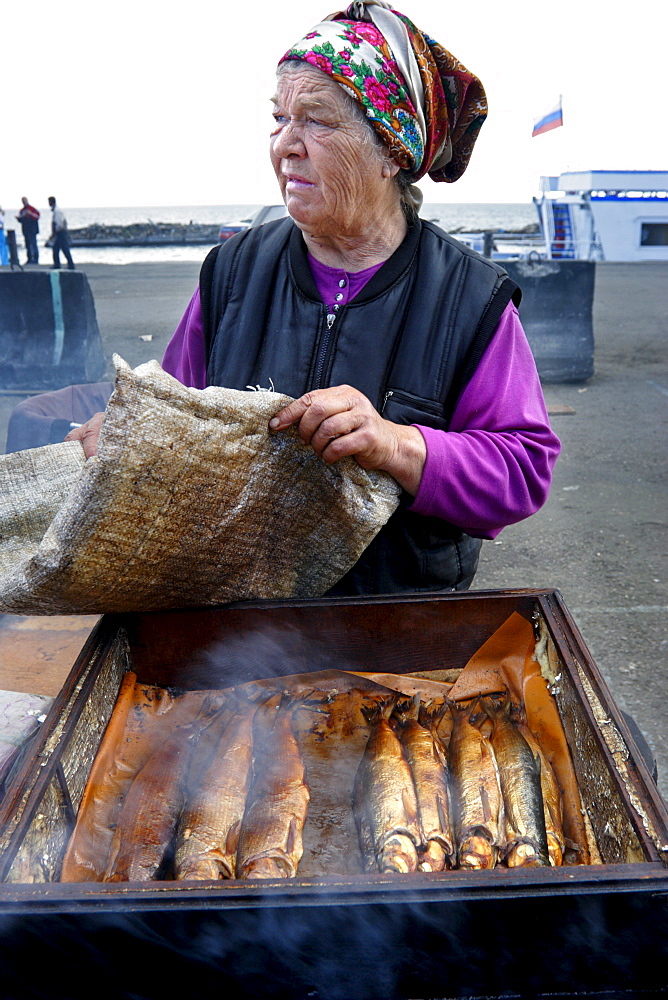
[{"x": 190, "y": 501}]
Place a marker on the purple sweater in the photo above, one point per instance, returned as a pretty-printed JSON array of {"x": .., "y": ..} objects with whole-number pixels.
[{"x": 493, "y": 466}]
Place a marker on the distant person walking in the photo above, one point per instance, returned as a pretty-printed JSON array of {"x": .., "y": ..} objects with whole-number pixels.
[
  {"x": 60, "y": 236},
  {"x": 4, "y": 255},
  {"x": 29, "y": 219}
]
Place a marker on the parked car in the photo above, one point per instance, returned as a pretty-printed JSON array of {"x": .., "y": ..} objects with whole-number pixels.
[{"x": 265, "y": 214}]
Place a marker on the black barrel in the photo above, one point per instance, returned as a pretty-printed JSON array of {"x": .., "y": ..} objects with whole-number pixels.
[
  {"x": 49, "y": 337},
  {"x": 557, "y": 315}
]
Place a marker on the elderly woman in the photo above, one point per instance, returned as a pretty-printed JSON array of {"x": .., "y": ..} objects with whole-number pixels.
[{"x": 402, "y": 347}]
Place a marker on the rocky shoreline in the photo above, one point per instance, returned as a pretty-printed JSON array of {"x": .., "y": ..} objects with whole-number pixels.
[
  {"x": 145, "y": 234},
  {"x": 151, "y": 234}
]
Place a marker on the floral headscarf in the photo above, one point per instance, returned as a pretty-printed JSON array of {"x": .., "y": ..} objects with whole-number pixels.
[{"x": 425, "y": 105}]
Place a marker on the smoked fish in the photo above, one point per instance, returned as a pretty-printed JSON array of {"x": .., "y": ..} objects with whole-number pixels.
[
  {"x": 415, "y": 726},
  {"x": 519, "y": 770},
  {"x": 270, "y": 840},
  {"x": 385, "y": 800},
  {"x": 208, "y": 830},
  {"x": 148, "y": 817},
  {"x": 552, "y": 803},
  {"x": 477, "y": 800}
]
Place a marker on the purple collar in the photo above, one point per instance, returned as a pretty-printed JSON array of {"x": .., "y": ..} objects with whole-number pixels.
[{"x": 337, "y": 287}]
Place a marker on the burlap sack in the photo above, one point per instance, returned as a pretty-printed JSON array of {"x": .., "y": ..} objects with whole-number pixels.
[{"x": 190, "y": 501}]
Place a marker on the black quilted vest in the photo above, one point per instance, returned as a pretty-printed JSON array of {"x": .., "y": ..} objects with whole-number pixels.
[{"x": 410, "y": 341}]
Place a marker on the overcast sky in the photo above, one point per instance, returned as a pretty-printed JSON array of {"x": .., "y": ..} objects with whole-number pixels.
[{"x": 140, "y": 102}]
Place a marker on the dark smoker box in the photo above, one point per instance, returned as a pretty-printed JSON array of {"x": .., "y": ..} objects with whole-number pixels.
[{"x": 600, "y": 928}]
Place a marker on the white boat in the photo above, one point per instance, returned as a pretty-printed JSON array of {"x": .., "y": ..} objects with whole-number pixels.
[{"x": 619, "y": 215}]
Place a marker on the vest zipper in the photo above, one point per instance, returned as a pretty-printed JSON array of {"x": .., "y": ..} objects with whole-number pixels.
[{"x": 323, "y": 350}]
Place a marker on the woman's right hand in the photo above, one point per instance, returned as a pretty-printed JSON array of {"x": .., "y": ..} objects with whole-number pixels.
[{"x": 88, "y": 434}]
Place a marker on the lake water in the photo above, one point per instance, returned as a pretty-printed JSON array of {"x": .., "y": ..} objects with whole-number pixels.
[{"x": 452, "y": 217}]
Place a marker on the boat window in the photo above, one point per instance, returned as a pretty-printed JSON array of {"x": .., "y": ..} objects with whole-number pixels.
[{"x": 654, "y": 234}]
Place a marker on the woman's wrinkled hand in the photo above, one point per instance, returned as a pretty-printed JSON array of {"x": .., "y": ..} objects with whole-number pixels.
[
  {"x": 88, "y": 434},
  {"x": 341, "y": 421}
]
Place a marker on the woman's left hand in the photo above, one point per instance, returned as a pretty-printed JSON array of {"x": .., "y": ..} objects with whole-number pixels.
[
  {"x": 88, "y": 434},
  {"x": 341, "y": 421}
]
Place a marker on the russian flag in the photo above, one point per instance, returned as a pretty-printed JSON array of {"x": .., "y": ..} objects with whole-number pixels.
[{"x": 553, "y": 119}]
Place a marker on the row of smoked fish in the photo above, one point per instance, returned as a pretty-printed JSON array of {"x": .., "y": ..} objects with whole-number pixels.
[
  {"x": 243, "y": 818},
  {"x": 487, "y": 797}
]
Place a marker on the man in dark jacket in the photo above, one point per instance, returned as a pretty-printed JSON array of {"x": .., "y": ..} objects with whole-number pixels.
[{"x": 29, "y": 219}]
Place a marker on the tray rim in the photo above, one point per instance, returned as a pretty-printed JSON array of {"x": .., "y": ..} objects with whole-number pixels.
[{"x": 361, "y": 890}]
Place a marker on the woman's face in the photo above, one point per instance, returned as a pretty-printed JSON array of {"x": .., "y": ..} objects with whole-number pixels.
[{"x": 332, "y": 180}]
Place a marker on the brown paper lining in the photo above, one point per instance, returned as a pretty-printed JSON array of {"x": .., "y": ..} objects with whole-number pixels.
[{"x": 143, "y": 717}]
